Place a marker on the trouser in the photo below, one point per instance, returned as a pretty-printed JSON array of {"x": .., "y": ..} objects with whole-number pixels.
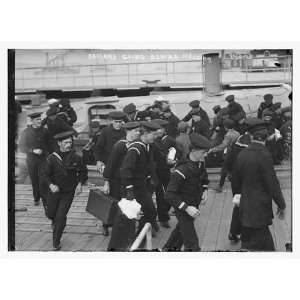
[
  {"x": 223, "y": 175},
  {"x": 257, "y": 239},
  {"x": 122, "y": 234},
  {"x": 33, "y": 165},
  {"x": 143, "y": 197},
  {"x": 235, "y": 225},
  {"x": 163, "y": 206},
  {"x": 183, "y": 234},
  {"x": 58, "y": 207},
  {"x": 115, "y": 192}
]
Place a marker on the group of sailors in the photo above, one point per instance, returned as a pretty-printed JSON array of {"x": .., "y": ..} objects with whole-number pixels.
[{"x": 152, "y": 152}]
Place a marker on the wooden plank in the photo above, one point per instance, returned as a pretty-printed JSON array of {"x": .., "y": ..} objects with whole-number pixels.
[
  {"x": 211, "y": 232},
  {"x": 205, "y": 212}
]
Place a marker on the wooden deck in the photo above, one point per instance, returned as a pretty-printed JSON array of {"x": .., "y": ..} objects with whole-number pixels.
[{"x": 83, "y": 231}]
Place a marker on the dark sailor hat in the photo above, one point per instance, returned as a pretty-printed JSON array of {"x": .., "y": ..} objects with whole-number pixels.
[
  {"x": 194, "y": 103},
  {"x": 64, "y": 135},
  {"x": 229, "y": 98},
  {"x": 116, "y": 115},
  {"x": 268, "y": 97},
  {"x": 130, "y": 108},
  {"x": 131, "y": 125},
  {"x": 34, "y": 115},
  {"x": 199, "y": 141},
  {"x": 152, "y": 126},
  {"x": 161, "y": 122}
]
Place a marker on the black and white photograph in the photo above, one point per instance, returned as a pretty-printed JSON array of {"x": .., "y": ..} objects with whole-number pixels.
[{"x": 150, "y": 150}]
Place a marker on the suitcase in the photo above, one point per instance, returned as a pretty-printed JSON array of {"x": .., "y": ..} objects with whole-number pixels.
[
  {"x": 102, "y": 206},
  {"x": 214, "y": 159}
]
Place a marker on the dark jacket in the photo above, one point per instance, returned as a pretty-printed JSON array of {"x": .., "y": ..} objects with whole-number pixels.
[
  {"x": 114, "y": 162},
  {"x": 187, "y": 184},
  {"x": 234, "y": 108},
  {"x": 161, "y": 148},
  {"x": 71, "y": 114},
  {"x": 65, "y": 170},
  {"x": 137, "y": 164},
  {"x": 105, "y": 141},
  {"x": 255, "y": 179},
  {"x": 202, "y": 128},
  {"x": 262, "y": 107},
  {"x": 202, "y": 113},
  {"x": 171, "y": 128},
  {"x": 34, "y": 138}
]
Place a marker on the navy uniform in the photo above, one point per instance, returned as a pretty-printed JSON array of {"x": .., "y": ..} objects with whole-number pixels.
[
  {"x": 173, "y": 123},
  {"x": 201, "y": 127},
  {"x": 267, "y": 104},
  {"x": 123, "y": 228},
  {"x": 233, "y": 108},
  {"x": 186, "y": 186},
  {"x": 132, "y": 114},
  {"x": 195, "y": 105},
  {"x": 136, "y": 173},
  {"x": 242, "y": 143},
  {"x": 55, "y": 124},
  {"x": 68, "y": 109},
  {"x": 65, "y": 170},
  {"x": 161, "y": 147},
  {"x": 108, "y": 137},
  {"x": 255, "y": 179},
  {"x": 30, "y": 140}
]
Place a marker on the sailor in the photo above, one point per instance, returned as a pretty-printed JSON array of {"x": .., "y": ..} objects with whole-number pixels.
[
  {"x": 186, "y": 189},
  {"x": 229, "y": 139},
  {"x": 34, "y": 142},
  {"x": 64, "y": 173},
  {"x": 162, "y": 147},
  {"x": 65, "y": 107},
  {"x": 183, "y": 140},
  {"x": 55, "y": 125},
  {"x": 108, "y": 137},
  {"x": 268, "y": 103},
  {"x": 123, "y": 228},
  {"x": 255, "y": 180},
  {"x": 132, "y": 114},
  {"x": 104, "y": 144},
  {"x": 233, "y": 108},
  {"x": 136, "y": 172},
  {"x": 199, "y": 125},
  {"x": 195, "y": 105},
  {"x": 173, "y": 120}
]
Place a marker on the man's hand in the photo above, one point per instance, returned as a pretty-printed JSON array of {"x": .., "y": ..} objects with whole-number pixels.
[
  {"x": 53, "y": 188},
  {"x": 100, "y": 166},
  {"x": 171, "y": 162},
  {"x": 280, "y": 213},
  {"x": 37, "y": 151},
  {"x": 78, "y": 189},
  {"x": 105, "y": 187},
  {"x": 192, "y": 211}
]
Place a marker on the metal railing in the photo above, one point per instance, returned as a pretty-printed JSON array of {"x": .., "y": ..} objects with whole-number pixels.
[
  {"x": 145, "y": 232},
  {"x": 189, "y": 72}
]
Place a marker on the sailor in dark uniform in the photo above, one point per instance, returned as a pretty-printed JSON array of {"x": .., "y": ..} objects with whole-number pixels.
[
  {"x": 136, "y": 172},
  {"x": 187, "y": 187},
  {"x": 108, "y": 137},
  {"x": 123, "y": 228},
  {"x": 104, "y": 144},
  {"x": 195, "y": 105},
  {"x": 199, "y": 125},
  {"x": 64, "y": 173},
  {"x": 254, "y": 178},
  {"x": 268, "y": 103},
  {"x": 132, "y": 114},
  {"x": 173, "y": 122},
  {"x": 34, "y": 142},
  {"x": 233, "y": 108},
  {"x": 161, "y": 148},
  {"x": 66, "y": 108}
]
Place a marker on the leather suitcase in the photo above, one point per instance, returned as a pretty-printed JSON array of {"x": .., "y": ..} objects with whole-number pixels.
[{"x": 102, "y": 206}]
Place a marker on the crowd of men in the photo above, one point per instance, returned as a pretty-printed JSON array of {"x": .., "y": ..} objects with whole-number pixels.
[{"x": 152, "y": 152}]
